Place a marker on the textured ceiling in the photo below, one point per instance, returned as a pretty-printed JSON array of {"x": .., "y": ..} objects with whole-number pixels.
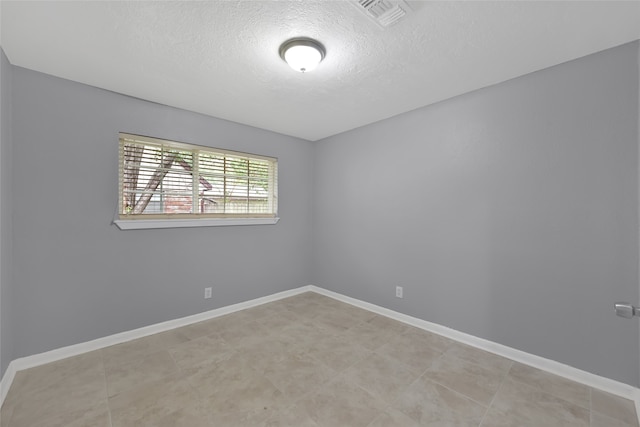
[{"x": 221, "y": 57}]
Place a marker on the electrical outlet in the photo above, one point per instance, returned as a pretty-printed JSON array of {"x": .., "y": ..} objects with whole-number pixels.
[
  {"x": 398, "y": 291},
  {"x": 207, "y": 293}
]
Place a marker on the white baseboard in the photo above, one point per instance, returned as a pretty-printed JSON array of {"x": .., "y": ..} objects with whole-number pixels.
[
  {"x": 566, "y": 371},
  {"x": 6, "y": 381},
  {"x": 85, "y": 347},
  {"x": 592, "y": 380}
]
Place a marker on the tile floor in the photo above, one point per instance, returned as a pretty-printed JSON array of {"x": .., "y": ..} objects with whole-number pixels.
[{"x": 303, "y": 361}]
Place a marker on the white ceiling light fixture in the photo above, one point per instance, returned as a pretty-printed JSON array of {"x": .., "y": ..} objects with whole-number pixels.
[{"x": 302, "y": 54}]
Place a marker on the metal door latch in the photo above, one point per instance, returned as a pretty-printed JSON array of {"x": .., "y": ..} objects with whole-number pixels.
[{"x": 626, "y": 310}]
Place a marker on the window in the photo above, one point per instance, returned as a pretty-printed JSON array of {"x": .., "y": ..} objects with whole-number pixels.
[{"x": 171, "y": 184}]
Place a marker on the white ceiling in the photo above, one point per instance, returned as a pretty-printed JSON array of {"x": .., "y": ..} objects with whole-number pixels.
[{"x": 221, "y": 57}]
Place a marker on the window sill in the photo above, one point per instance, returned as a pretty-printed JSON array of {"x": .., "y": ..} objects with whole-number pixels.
[{"x": 141, "y": 224}]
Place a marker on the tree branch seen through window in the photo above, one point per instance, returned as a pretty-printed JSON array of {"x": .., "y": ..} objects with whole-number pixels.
[{"x": 169, "y": 179}]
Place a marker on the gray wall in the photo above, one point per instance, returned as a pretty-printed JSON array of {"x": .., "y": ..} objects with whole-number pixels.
[
  {"x": 510, "y": 213},
  {"x": 77, "y": 277},
  {"x": 6, "y": 343}
]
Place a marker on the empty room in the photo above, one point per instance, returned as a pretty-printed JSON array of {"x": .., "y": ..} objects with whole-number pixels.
[{"x": 319, "y": 213}]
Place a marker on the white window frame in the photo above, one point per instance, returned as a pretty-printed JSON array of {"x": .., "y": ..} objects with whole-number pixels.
[{"x": 126, "y": 221}]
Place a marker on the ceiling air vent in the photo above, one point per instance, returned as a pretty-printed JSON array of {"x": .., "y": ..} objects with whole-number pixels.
[{"x": 383, "y": 12}]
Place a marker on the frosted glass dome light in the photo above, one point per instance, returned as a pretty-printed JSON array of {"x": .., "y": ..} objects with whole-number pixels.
[{"x": 302, "y": 54}]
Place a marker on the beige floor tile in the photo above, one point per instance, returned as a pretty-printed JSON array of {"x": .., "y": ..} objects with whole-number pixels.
[
  {"x": 335, "y": 321},
  {"x": 474, "y": 381},
  {"x": 369, "y": 336},
  {"x": 381, "y": 376},
  {"x": 530, "y": 403},
  {"x": 305, "y": 361},
  {"x": 298, "y": 375},
  {"x": 429, "y": 338},
  {"x": 194, "y": 416},
  {"x": 230, "y": 320},
  {"x": 358, "y": 314},
  {"x": 614, "y": 406},
  {"x": 215, "y": 325},
  {"x": 243, "y": 333},
  {"x": 549, "y": 383},
  {"x": 200, "y": 350},
  {"x": 294, "y": 415},
  {"x": 256, "y": 418},
  {"x": 303, "y": 333},
  {"x": 200, "y": 329},
  {"x": 311, "y": 311},
  {"x": 63, "y": 387},
  {"x": 69, "y": 396},
  {"x": 337, "y": 352},
  {"x": 128, "y": 351},
  {"x": 342, "y": 403},
  {"x": 600, "y": 420},
  {"x": 267, "y": 352},
  {"x": 204, "y": 375},
  {"x": 306, "y": 308},
  {"x": 277, "y": 306},
  {"x": 69, "y": 371},
  {"x": 495, "y": 418},
  {"x": 265, "y": 310},
  {"x": 245, "y": 394},
  {"x": 148, "y": 368},
  {"x": 96, "y": 415},
  {"x": 132, "y": 350},
  {"x": 93, "y": 383},
  {"x": 150, "y": 404},
  {"x": 328, "y": 303},
  {"x": 431, "y": 404},
  {"x": 13, "y": 395},
  {"x": 5, "y": 414},
  {"x": 480, "y": 357},
  {"x": 278, "y": 321},
  {"x": 387, "y": 324},
  {"x": 305, "y": 297},
  {"x": 167, "y": 339},
  {"x": 393, "y": 418},
  {"x": 234, "y": 386},
  {"x": 417, "y": 352}
]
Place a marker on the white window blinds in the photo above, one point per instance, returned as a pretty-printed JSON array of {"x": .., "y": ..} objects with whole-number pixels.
[{"x": 162, "y": 179}]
